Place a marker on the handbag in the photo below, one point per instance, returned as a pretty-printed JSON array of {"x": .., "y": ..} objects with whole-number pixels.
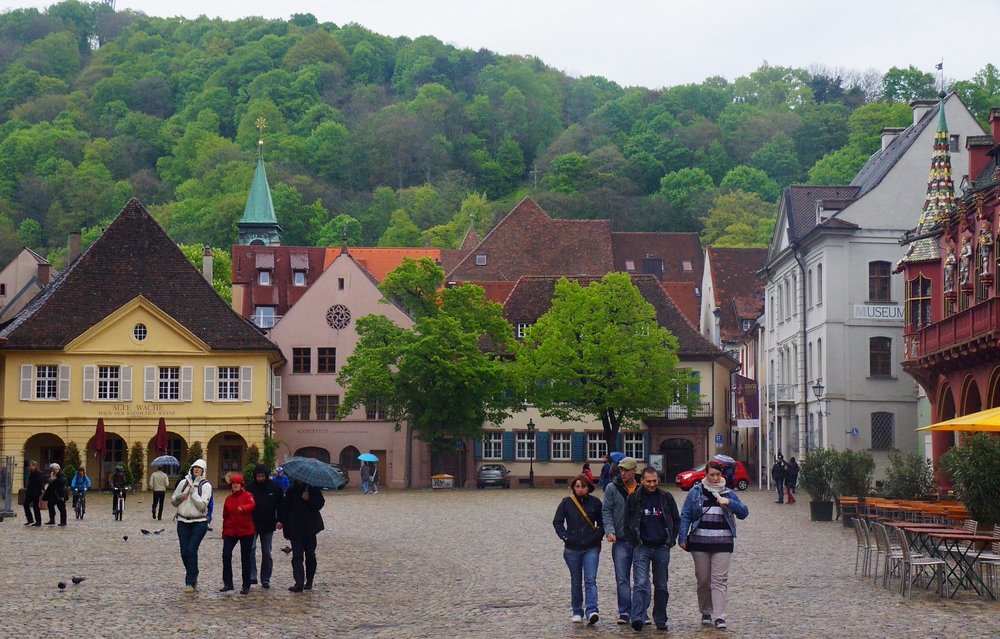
[{"x": 592, "y": 525}]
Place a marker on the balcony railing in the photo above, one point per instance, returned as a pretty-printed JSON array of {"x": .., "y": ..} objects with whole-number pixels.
[
  {"x": 680, "y": 411},
  {"x": 975, "y": 321},
  {"x": 780, "y": 392}
]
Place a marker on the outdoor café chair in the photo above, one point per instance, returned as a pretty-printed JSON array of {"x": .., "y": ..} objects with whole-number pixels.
[
  {"x": 886, "y": 554},
  {"x": 866, "y": 548},
  {"x": 912, "y": 568}
]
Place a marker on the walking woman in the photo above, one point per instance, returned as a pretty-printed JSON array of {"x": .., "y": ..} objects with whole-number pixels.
[
  {"x": 55, "y": 495},
  {"x": 301, "y": 522},
  {"x": 578, "y": 523},
  {"x": 708, "y": 532},
  {"x": 791, "y": 478},
  {"x": 237, "y": 528},
  {"x": 191, "y": 499}
]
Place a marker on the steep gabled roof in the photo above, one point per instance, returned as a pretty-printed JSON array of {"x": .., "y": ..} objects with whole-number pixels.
[
  {"x": 133, "y": 257},
  {"x": 800, "y": 204},
  {"x": 737, "y": 288},
  {"x": 677, "y": 250},
  {"x": 379, "y": 261},
  {"x": 882, "y": 161},
  {"x": 529, "y": 242},
  {"x": 532, "y": 298}
]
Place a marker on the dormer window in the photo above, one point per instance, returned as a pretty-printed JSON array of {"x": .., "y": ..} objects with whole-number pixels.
[
  {"x": 298, "y": 278},
  {"x": 264, "y": 277},
  {"x": 686, "y": 266},
  {"x": 630, "y": 266},
  {"x": 522, "y": 329},
  {"x": 481, "y": 259}
]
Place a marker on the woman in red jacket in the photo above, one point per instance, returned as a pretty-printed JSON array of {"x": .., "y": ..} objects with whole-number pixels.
[{"x": 237, "y": 526}]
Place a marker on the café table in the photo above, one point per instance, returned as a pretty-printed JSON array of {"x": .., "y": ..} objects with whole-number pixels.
[
  {"x": 918, "y": 533},
  {"x": 964, "y": 549}
]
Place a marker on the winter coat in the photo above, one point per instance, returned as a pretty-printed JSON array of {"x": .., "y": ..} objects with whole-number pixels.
[
  {"x": 195, "y": 507},
  {"x": 234, "y": 522},
  {"x": 573, "y": 529},
  {"x": 36, "y": 481},
  {"x": 633, "y": 516},
  {"x": 80, "y": 483},
  {"x": 268, "y": 497},
  {"x": 614, "y": 508},
  {"x": 300, "y": 518},
  {"x": 791, "y": 474},
  {"x": 692, "y": 510},
  {"x": 56, "y": 489},
  {"x": 778, "y": 471},
  {"x": 282, "y": 481}
]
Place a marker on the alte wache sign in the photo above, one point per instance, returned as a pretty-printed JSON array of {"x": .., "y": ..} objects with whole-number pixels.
[
  {"x": 878, "y": 312},
  {"x": 137, "y": 410}
]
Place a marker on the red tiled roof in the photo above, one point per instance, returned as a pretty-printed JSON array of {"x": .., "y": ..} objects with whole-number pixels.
[
  {"x": 800, "y": 206},
  {"x": 529, "y": 242},
  {"x": 379, "y": 261},
  {"x": 737, "y": 287},
  {"x": 681, "y": 253},
  {"x": 685, "y": 296}
]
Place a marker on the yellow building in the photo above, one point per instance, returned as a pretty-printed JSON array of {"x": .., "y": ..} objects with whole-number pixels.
[{"x": 130, "y": 333}]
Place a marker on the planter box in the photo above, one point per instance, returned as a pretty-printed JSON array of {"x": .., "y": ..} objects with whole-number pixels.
[{"x": 821, "y": 510}]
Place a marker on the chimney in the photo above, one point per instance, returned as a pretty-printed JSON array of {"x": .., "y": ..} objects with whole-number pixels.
[
  {"x": 74, "y": 247},
  {"x": 206, "y": 262},
  {"x": 995, "y": 124},
  {"x": 889, "y": 134},
  {"x": 44, "y": 274},
  {"x": 979, "y": 147},
  {"x": 653, "y": 266},
  {"x": 920, "y": 107}
]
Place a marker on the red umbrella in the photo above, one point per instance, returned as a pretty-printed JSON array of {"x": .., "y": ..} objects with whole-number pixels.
[
  {"x": 99, "y": 439},
  {"x": 161, "y": 438}
]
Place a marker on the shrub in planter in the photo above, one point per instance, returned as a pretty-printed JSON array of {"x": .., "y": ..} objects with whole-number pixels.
[
  {"x": 852, "y": 473},
  {"x": 135, "y": 465},
  {"x": 816, "y": 474},
  {"x": 974, "y": 469},
  {"x": 908, "y": 477}
]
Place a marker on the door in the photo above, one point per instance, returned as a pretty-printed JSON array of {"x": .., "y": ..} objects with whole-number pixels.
[
  {"x": 381, "y": 465},
  {"x": 678, "y": 456},
  {"x": 230, "y": 461}
]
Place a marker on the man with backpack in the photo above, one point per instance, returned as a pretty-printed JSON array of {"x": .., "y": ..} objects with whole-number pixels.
[{"x": 613, "y": 513}]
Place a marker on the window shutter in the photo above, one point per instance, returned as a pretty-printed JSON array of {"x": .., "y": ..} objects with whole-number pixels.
[
  {"x": 578, "y": 447},
  {"x": 246, "y": 383},
  {"x": 126, "y": 384},
  {"x": 89, "y": 380},
  {"x": 275, "y": 391},
  {"x": 149, "y": 387},
  {"x": 26, "y": 370},
  {"x": 542, "y": 447},
  {"x": 645, "y": 444},
  {"x": 508, "y": 446},
  {"x": 477, "y": 450},
  {"x": 187, "y": 383},
  {"x": 210, "y": 383},
  {"x": 64, "y": 378}
]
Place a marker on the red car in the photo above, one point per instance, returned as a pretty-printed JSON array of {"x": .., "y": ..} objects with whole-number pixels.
[{"x": 687, "y": 479}]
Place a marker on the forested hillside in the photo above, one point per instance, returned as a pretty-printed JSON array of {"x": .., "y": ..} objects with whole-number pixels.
[{"x": 404, "y": 141}]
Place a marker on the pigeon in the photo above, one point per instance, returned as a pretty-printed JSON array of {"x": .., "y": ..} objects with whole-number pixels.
[
  {"x": 125, "y": 537},
  {"x": 286, "y": 549},
  {"x": 77, "y": 580},
  {"x": 157, "y": 532},
  {"x": 62, "y": 585},
  {"x": 144, "y": 531}
]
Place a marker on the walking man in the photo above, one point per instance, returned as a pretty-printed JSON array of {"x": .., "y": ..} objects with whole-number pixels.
[
  {"x": 158, "y": 483},
  {"x": 778, "y": 475},
  {"x": 267, "y": 495},
  {"x": 32, "y": 493},
  {"x": 615, "y": 495},
  {"x": 367, "y": 472},
  {"x": 651, "y": 525},
  {"x": 302, "y": 522}
]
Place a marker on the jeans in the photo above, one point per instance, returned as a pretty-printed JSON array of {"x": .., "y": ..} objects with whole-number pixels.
[
  {"x": 621, "y": 555},
  {"x": 642, "y": 557},
  {"x": 190, "y": 536},
  {"x": 158, "y": 498},
  {"x": 266, "y": 562},
  {"x": 246, "y": 560},
  {"x": 779, "y": 485},
  {"x": 583, "y": 576},
  {"x": 304, "y": 547}
]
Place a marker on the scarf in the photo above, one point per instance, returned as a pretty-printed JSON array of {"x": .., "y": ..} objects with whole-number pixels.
[{"x": 715, "y": 489}]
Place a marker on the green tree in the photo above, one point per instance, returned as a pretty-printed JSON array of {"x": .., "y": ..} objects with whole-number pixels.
[
  {"x": 29, "y": 233},
  {"x": 332, "y": 233},
  {"x": 568, "y": 173},
  {"x": 838, "y": 167},
  {"x": 434, "y": 375},
  {"x": 401, "y": 232},
  {"x": 136, "y": 462},
  {"x": 904, "y": 85},
  {"x": 779, "y": 159},
  {"x": 679, "y": 188},
  {"x": 980, "y": 92},
  {"x": 735, "y": 220},
  {"x": 751, "y": 180},
  {"x": 974, "y": 468},
  {"x": 598, "y": 353}
]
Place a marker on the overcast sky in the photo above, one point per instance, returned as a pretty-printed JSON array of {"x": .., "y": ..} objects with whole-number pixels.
[{"x": 659, "y": 43}]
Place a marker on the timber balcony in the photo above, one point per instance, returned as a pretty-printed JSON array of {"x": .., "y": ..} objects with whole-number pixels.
[{"x": 969, "y": 331}]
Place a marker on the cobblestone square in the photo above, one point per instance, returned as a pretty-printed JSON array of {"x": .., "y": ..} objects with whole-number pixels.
[{"x": 462, "y": 563}]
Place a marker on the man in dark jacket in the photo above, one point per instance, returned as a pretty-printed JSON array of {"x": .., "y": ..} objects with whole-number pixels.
[
  {"x": 32, "y": 493},
  {"x": 268, "y": 496},
  {"x": 778, "y": 475},
  {"x": 302, "y": 522},
  {"x": 651, "y": 526}
]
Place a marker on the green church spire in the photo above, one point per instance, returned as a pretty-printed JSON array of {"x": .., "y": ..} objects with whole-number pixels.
[{"x": 259, "y": 224}]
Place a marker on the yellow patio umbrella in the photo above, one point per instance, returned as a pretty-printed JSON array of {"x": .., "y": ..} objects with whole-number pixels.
[{"x": 984, "y": 421}]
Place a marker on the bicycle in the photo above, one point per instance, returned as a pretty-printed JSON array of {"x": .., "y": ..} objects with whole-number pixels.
[
  {"x": 118, "y": 503},
  {"x": 79, "y": 503}
]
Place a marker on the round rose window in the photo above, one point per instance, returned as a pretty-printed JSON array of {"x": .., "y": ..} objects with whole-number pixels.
[{"x": 338, "y": 316}]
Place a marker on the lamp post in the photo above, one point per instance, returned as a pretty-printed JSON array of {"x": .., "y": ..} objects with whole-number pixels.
[
  {"x": 818, "y": 392},
  {"x": 531, "y": 463}
]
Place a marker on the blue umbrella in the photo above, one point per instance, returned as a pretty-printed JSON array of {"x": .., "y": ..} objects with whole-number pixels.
[
  {"x": 313, "y": 472},
  {"x": 617, "y": 456},
  {"x": 367, "y": 457},
  {"x": 725, "y": 459},
  {"x": 165, "y": 460}
]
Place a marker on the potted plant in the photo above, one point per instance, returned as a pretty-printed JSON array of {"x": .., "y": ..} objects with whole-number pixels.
[
  {"x": 816, "y": 478},
  {"x": 852, "y": 477},
  {"x": 908, "y": 477},
  {"x": 974, "y": 468}
]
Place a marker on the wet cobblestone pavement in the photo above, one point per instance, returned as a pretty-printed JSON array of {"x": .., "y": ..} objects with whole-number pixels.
[{"x": 445, "y": 564}]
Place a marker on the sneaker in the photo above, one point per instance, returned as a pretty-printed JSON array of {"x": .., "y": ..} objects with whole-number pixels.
[
  {"x": 295, "y": 588},
  {"x": 592, "y": 618},
  {"x": 720, "y": 624},
  {"x": 577, "y": 618},
  {"x": 266, "y": 585},
  {"x": 245, "y": 591},
  {"x": 188, "y": 588},
  {"x": 706, "y": 620},
  {"x": 637, "y": 625},
  {"x": 622, "y": 620}
]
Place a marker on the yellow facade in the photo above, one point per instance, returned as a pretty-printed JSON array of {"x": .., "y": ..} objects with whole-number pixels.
[{"x": 82, "y": 379}]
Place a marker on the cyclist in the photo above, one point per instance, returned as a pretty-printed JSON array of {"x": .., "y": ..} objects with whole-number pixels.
[
  {"x": 118, "y": 487},
  {"x": 80, "y": 484}
]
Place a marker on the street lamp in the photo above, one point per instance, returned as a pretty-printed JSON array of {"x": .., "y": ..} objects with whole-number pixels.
[
  {"x": 818, "y": 392},
  {"x": 531, "y": 466},
  {"x": 818, "y": 389}
]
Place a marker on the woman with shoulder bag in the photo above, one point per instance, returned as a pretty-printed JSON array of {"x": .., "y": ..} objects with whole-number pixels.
[{"x": 578, "y": 523}]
